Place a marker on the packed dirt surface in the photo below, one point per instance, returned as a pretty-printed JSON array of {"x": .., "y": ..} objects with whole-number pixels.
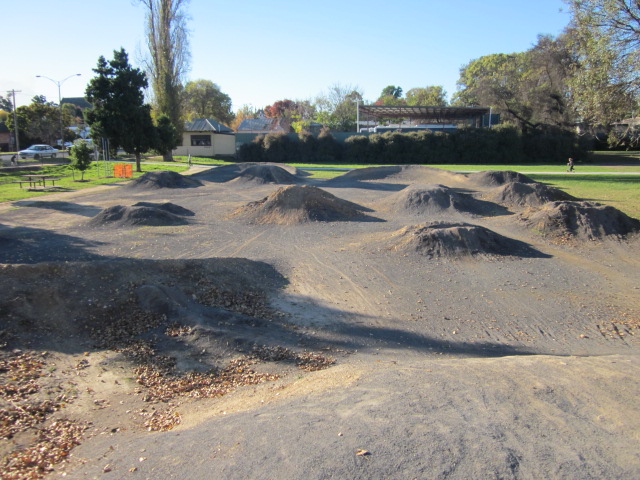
[{"x": 249, "y": 322}]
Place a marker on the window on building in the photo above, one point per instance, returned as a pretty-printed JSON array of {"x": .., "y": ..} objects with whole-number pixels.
[{"x": 200, "y": 140}]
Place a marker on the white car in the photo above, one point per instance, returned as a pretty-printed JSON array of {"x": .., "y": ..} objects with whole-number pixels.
[{"x": 38, "y": 151}]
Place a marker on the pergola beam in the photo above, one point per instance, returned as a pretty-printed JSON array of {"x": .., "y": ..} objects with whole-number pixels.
[{"x": 425, "y": 114}]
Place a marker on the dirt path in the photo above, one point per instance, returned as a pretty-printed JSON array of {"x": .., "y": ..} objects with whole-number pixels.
[{"x": 521, "y": 364}]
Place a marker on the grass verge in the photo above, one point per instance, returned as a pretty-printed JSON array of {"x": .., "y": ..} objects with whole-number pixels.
[{"x": 100, "y": 173}]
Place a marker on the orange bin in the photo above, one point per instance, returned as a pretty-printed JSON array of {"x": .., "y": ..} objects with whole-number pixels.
[{"x": 123, "y": 170}]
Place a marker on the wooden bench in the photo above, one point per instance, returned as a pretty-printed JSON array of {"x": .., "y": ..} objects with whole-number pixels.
[{"x": 34, "y": 184}]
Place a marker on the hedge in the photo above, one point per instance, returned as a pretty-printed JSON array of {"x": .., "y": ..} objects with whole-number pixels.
[{"x": 500, "y": 145}]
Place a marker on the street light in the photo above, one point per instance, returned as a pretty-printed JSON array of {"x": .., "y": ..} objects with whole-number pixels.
[{"x": 59, "y": 83}]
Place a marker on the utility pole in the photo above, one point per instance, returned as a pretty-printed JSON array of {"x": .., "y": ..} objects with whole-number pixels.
[{"x": 15, "y": 118}]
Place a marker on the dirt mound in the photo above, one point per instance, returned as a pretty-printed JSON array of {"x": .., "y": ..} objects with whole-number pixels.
[
  {"x": 300, "y": 204},
  {"x": 442, "y": 239},
  {"x": 584, "y": 220},
  {"x": 497, "y": 177},
  {"x": 137, "y": 216},
  {"x": 112, "y": 291},
  {"x": 169, "y": 207},
  {"x": 527, "y": 194},
  {"x": 424, "y": 199},
  {"x": 405, "y": 173},
  {"x": 156, "y": 180},
  {"x": 369, "y": 173},
  {"x": 256, "y": 173},
  {"x": 261, "y": 174}
]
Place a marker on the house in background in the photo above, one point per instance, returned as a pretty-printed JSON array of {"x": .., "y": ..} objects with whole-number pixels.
[
  {"x": 205, "y": 137},
  {"x": 264, "y": 125}
]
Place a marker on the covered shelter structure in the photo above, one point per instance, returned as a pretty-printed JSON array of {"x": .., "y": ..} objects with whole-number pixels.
[{"x": 424, "y": 116}]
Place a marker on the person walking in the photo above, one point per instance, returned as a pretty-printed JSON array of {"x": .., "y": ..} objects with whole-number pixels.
[{"x": 570, "y": 165}]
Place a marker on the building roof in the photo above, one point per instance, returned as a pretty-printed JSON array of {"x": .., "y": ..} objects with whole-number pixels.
[
  {"x": 206, "y": 125},
  {"x": 263, "y": 125},
  {"x": 80, "y": 102},
  {"x": 424, "y": 113}
]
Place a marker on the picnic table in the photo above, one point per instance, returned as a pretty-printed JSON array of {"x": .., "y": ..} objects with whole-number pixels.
[{"x": 38, "y": 182}]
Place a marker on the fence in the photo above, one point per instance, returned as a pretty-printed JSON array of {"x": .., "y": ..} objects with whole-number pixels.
[{"x": 123, "y": 170}]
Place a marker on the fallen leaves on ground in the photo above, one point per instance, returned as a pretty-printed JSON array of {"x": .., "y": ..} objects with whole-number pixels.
[{"x": 21, "y": 409}]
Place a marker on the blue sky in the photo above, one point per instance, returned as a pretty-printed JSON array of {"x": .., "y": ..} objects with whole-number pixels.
[{"x": 259, "y": 52}]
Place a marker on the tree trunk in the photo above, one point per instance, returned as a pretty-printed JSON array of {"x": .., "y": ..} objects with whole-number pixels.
[
  {"x": 138, "y": 168},
  {"x": 168, "y": 156}
]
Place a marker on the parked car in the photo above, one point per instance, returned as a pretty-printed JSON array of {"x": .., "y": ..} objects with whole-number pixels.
[{"x": 38, "y": 151}]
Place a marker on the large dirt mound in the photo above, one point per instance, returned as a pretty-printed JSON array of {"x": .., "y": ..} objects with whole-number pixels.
[
  {"x": 443, "y": 239},
  {"x": 50, "y": 299},
  {"x": 404, "y": 173},
  {"x": 527, "y": 194},
  {"x": 255, "y": 173},
  {"x": 122, "y": 216},
  {"x": 156, "y": 180},
  {"x": 430, "y": 199},
  {"x": 583, "y": 220},
  {"x": 300, "y": 204},
  {"x": 498, "y": 177}
]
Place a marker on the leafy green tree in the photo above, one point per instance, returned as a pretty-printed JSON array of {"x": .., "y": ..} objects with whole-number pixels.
[
  {"x": 168, "y": 137},
  {"x": 169, "y": 56},
  {"x": 391, "y": 91},
  {"x": 432, "y": 96},
  {"x": 605, "y": 81},
  {"x": 391, "y": 95},
  {"x": 204, "y": 99},
  {"x": 337, "y": 109},
  {"x": 119, "y": 113},
  {"x": 529, "y": 89},
  {"x": 6, "y": 104},
  {"x": 81, "y": 157},
  {"x": 38, "y": 122}
]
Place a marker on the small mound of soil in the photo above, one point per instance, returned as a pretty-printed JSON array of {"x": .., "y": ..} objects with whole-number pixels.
[
  {"x": 404, "y": 173},
  {"x": 585, "y": 220},
  {"x": 168, "y": 207},
  {"x": 261, "y": 174},
  {"x": 252, "y": 172},
  {"x": 421, "y": 199},
  {"x": 300, "y": 204},
  {"x": 442, "y": 239},
  {"x": 528, "y": 194},
  {"x": 495, "y": 177},
  {"x": 369, "y": 173},
  {"x": 156, "y": 180},
  {"x": 136, "y": 216}
]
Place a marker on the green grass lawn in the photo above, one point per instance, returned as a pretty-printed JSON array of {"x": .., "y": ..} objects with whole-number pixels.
[{"x": 100, "y": 173}]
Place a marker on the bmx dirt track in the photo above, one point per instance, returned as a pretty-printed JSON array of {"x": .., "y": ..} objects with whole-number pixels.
[{"x": 248, "y": 322}]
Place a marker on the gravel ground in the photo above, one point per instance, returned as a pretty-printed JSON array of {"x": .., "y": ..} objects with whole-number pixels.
[{"x": 439, "y": 333}]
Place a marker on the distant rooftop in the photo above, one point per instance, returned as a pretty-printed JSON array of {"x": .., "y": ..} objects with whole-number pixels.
[{"x": 206, "y": 125}]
